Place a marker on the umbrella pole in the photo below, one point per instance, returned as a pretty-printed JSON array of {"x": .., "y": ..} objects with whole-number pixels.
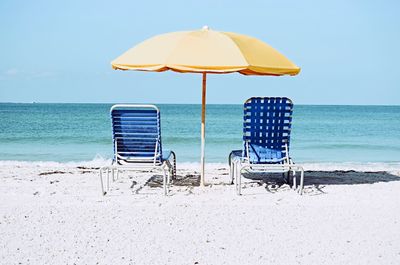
[{"x": 203, "y": 127}]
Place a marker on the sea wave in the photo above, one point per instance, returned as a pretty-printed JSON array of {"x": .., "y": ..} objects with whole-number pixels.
[{"x": 98, "y": 161}]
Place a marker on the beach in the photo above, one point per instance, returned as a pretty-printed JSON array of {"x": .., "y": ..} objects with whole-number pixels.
[
  {"x": 267, "y": 86},
  {"x": 54, "y": 213}
]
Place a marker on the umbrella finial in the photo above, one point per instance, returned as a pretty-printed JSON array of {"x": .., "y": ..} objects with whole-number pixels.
[{"x": 205, "y": 27}]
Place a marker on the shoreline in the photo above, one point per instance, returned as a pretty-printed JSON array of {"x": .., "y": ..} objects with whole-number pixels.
[{"x": 320, "y": 166}]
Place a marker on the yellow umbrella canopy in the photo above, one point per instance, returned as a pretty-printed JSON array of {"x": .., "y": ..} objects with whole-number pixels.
[{"x": 205, "y": 51}]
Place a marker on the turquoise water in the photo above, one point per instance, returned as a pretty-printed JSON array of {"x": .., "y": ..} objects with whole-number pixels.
[{"x": 81, "y": 132}]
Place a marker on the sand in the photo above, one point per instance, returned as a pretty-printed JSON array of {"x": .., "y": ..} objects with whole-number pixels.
[{"x": 53, "y": 213}]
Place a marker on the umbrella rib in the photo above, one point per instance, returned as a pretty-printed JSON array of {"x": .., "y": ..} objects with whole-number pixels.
[
  {"x": 193, "y": 68},
  {"x": 173, "y": 51}
]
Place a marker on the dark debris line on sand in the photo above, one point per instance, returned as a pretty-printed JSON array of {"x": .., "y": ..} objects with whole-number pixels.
[
  {"x": 53, "y": 172},
  {"x": 88, "y": 168}
]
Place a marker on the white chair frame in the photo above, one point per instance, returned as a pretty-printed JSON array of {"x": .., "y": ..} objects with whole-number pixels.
[{"x": 138, "y": 164}]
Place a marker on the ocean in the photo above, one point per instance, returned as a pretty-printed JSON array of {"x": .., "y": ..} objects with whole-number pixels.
[{"x": 82, "y": 132}]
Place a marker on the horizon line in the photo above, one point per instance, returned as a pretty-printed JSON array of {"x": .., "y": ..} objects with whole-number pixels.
[{"x": 109, "y": 103}]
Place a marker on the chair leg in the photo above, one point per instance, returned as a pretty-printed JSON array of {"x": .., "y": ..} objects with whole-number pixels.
[
  {"x": 164, "y": 181},
  {"x": 170, "y": 173},
  {"x": 238, "y": 179},
  {"x": 108, "y": 179},
  {"x": 169, "y": 176},
  {"x": 231, "y": 168},
  {"x": 294, "y": 180},
  {"x": 101, "y": 182},
  {"x": 173, "y": 166},
  {"x": 231, "y": 172},
  {"x": 301, "y": 181},
  {"x": 168, "y": 165},
  {"x": 234, "y": 178}
]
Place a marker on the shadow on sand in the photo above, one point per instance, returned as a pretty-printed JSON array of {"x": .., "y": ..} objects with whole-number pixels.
[
  {"x": 311, "y": 178},
  {"x": 349, "y": 177},
  {"x": 337, "y": 177},
  {"x": 316, "y": 181},
  {"x": 192, "y": 180}
]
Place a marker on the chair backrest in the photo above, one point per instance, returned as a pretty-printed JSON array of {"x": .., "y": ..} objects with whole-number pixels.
[
  {"x": 136, "y": 134},
  {"x": 266, "y": 128}
]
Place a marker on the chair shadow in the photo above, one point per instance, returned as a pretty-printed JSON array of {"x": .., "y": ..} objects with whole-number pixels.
[
  {"x": 191, "y": 180},
  {"x": 348, "y": 177},
  {"x": 336, "y": 177},
  {"x": 314, "y": 181}
]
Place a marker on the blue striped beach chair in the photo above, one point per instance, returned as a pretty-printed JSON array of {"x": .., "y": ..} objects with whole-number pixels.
[
  {"x": 266, "y": 138},
  {"x": 136, "y": 133}
]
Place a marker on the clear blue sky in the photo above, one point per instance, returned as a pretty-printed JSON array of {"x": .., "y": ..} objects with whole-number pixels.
[{"x": 60, "y": 51}]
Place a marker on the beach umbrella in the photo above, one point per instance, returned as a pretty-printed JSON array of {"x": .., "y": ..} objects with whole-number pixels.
[{"x": 205, "y": 51}]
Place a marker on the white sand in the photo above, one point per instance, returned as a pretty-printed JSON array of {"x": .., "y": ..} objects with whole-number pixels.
[{"x": 61, "y": 218}]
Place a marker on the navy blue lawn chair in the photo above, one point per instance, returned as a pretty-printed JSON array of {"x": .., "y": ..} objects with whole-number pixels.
[
  {"x": 137, "y": 143},
  {"x": 266, "y": 138}
]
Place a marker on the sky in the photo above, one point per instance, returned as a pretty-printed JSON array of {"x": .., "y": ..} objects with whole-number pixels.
[{"x": 60, "y": 51}]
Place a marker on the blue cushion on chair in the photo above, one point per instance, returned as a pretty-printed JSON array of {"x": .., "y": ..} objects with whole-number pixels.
[{"x": 260, "y": 154}]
